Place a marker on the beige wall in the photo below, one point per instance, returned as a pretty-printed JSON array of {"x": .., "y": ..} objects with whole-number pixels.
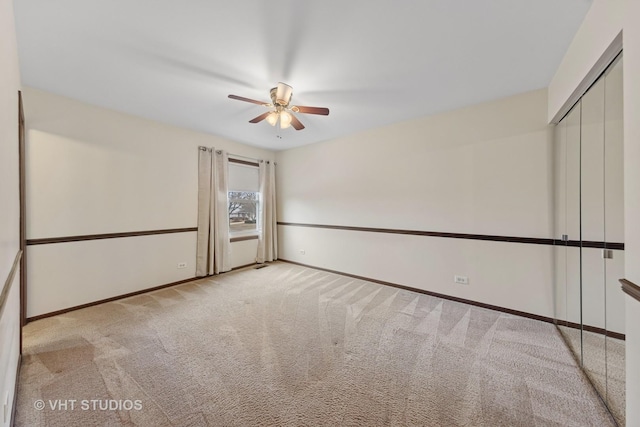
[
  {"x": 631, "y": 42},
  {"x": 604, "y": 21},
  {"x": 601, "y": 26},
  {"x": 91, "y": 170},
  {"x": 9, "y": 210},
  {"x": 484, "y": 169}
]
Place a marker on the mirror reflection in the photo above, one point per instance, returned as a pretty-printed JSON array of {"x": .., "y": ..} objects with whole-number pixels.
[{"x": 589, "y": 255}]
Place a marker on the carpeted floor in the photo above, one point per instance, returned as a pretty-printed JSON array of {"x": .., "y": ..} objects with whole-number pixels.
[
  {"x": 286, "y": 345},
  {"x": 604, "y": 364}
]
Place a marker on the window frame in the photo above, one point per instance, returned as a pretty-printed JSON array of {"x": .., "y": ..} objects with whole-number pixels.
[{"x": 254, "y": 234}]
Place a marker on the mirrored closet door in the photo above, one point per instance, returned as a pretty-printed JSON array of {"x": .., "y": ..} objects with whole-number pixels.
[{"x": 589, "y": 254}]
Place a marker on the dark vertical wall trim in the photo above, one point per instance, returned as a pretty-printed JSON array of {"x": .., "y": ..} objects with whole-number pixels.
[
  {"x": 23, "y": 215},
  {"x": 580, "y": 222}
]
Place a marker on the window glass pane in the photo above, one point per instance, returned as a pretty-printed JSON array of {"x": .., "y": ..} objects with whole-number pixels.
[{"x": 243, "y": 211}]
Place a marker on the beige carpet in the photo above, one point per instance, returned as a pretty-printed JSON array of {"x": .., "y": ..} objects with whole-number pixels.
[
  {"x": 604, "y": 364},
  {"x": 287, "y": 345}
]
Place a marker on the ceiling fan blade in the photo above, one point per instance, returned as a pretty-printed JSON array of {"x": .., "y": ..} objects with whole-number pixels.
[
  {"x": 253, "y": 101},
  {"x": 260, "y": 118},
  {"x": 310, "y": 110},
  {"x": 297, "y": 125}
]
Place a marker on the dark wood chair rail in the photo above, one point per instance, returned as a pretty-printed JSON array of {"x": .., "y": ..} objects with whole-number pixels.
[
  {"x": 493, "y": 238},
  {"x": 631, "y": 289},
  {"x": 7, "y": 285}
]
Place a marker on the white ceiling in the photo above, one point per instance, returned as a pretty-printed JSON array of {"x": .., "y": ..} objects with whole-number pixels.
[{"x": 372, "y": 62}]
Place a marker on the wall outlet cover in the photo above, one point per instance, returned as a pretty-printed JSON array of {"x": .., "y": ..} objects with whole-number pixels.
[{"x": 463, "y": 280}]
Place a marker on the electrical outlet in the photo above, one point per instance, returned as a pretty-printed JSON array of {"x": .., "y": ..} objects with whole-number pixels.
[
  {"x": 182, "y": 265},
  {"x": 463, "y": 280},
  {"x": 302, "y": 252}
]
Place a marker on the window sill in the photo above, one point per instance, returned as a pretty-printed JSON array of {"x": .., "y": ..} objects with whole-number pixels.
[{"x": 243, "y": 238}]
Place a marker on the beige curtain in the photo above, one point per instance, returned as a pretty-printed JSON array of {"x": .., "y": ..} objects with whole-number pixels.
[
  {"x": 268, "y": 239},
  {"x": 213, "y": 248}
]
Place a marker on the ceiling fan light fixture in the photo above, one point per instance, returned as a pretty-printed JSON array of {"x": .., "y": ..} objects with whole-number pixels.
[
  {"x": 272, "y": 118},
  {"x": 280, "y": 108},
  {"x": 283, "y": 94},
  {"x": 285, "y": 120}
]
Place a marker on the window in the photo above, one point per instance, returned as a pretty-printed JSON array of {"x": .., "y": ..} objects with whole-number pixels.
[
  {"x": 244, "y": 199},
  {"x": 243, "y": 211}
]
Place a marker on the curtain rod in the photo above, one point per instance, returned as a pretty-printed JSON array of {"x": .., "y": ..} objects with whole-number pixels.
[
  {"x": 255, "y": 160},
  {"x": 245, "y": 157},
  {"x": 203, "y": 148}
]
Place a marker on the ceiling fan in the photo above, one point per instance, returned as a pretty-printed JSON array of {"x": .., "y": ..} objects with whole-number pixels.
[{"x": 282, "y": 111}]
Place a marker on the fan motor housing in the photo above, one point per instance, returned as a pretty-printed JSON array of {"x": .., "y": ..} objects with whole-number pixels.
[{"x": 285, "y": 92}]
